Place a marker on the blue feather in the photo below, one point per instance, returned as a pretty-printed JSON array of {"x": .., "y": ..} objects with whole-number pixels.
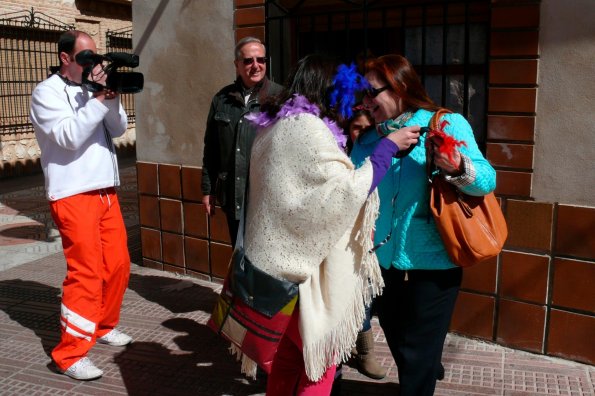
[{"x": 346, "y": 83}]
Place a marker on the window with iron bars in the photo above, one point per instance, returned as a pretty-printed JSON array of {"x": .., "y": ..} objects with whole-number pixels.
[
  {"x": 446, "y": 41},
  {"x": 121, "y": 41},
  {"x": 27, "y": 49}
]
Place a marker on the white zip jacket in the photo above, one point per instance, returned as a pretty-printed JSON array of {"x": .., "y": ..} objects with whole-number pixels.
[{"x": 75, "y": 131}]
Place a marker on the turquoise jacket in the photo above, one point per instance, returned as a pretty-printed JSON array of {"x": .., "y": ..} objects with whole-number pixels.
[{"x": 415, "y": 242}]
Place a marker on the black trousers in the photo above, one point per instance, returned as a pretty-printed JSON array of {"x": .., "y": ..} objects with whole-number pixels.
[{"x": 414, "y": 315}]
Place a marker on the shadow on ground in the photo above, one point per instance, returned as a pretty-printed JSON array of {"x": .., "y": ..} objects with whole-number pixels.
[
  {"x": 201, "y": 366},
  {"x": 35, "y": 306},
  {"x": 176, "y": 295}
]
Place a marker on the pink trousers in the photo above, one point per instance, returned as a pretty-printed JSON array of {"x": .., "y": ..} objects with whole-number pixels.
[{"x": 288, "y": 374}]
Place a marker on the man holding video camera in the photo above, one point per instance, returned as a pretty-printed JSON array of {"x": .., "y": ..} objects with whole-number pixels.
[
  {"x": 74, "y": 128},
  {"x": 229, "y": 136}
]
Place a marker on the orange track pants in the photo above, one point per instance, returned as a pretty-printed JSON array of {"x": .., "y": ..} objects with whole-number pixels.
[{"x": 98, "y": 267}]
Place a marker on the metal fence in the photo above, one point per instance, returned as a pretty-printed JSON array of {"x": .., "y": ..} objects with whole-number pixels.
[
  {"x": 446, "y": 41},
  {"x": 121, "y": 41},
  {"x": 27, "y": 49}
]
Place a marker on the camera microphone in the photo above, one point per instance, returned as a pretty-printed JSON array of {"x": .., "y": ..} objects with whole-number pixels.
[
  {"x": 88, "y": 58},
  {"x": 122, "y": 59}
]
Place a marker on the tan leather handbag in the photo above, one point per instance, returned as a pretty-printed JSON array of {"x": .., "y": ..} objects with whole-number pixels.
[{"x": 473, "y": 229}]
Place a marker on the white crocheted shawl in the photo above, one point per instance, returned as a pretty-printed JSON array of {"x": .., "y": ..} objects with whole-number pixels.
[{"x": 310, "y": 220}]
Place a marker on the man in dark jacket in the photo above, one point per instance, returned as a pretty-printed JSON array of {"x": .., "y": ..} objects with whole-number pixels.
[{"x": 229, "y": 136}]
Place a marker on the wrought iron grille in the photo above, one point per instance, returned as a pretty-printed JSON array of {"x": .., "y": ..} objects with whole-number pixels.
[
  {"x": 446, "y": 41},
  {"x": 28, "y": 47},
  {"x": 120, "y": 40}
]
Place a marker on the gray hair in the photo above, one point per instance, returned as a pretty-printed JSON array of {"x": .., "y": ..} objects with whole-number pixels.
[{"x": 247, "y": 40}]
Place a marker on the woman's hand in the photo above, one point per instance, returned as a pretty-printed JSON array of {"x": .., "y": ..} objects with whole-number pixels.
[
  {"x": 454, "y": 168},
  {"x": 405, "y": 137}
]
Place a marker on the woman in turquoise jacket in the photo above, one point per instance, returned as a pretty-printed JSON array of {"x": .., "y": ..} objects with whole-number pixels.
[{"x": 421, "y": 281}]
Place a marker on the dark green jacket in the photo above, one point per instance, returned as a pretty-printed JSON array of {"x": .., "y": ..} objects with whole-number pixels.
[{"x": 228, "y": 141}]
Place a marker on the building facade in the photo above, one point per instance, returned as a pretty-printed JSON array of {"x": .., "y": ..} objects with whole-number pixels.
[{"x": 523, "y": 75}]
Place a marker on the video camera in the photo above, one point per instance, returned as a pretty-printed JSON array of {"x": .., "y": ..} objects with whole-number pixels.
[{"x": 121, "y": 82}]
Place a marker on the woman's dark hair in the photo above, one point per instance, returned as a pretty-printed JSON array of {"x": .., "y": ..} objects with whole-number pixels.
[
  {"x": 400, "y": 75},
  {"x": 312, "y": 78}
]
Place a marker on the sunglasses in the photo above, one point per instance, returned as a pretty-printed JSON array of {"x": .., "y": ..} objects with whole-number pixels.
[
  {"x": 260, "y": 59},
  {"x": 373, "y": 92}
]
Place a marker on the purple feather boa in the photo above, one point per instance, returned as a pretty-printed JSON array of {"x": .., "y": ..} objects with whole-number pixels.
[{"x": 298, "y": 104}]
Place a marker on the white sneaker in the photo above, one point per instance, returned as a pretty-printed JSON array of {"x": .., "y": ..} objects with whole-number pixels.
[
  {"x": 115, "y": 338},
  {"x": 83, "y": 369}
]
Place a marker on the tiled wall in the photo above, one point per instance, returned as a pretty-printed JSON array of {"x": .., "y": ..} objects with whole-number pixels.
[
  {"x": 176, "y": 233},
  {"x": 538, "y": 295}
]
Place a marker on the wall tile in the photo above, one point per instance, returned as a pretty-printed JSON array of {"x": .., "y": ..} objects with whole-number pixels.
[
  {"x": 524, "y": 276},
  {"x": 173, "y": 269},
  {"x": 516, "y": 100},
  {"x": 473, "y": 315},
  {"x": 147, "y": 180},
  {"x": 253, "y": 31},
  {"x": 521, "y": 325},
  {"x": 249, "y": 16},
  {"x": 575, "y": 234},
  {"x": 169, "y": 181},
  {"x": 519, "y": 43},
  {"x": 574, "y": 284},
  {"x": 515, "y": 184},
  {"x": 218, "y": 227},
  {"x": 481, "y": 277},
  {"x": 197, "y": 254},
  {"x": 510, "y": 155},
  {"x": 529, "y": 224},
  {"x": 198, "y": 275},
  {"x": 520, "y": 128},
  {"x": 196, "y": 221},
  {"x": 171, "y": 215},
  {"x": 151, "y": 243},
  {"x": 148, "y": 208},
  {"x": 220, "y": 255},
  {"x": 244, "y": 3},
  {"x": 191, "y": 179},
  {"x": 571, "y": 336},
  {"x": 517, "y": 16},
  {"x": 513, "y": 71},
  {"x": 152, "y": 264},
  {"x": 173, "y": 249}
]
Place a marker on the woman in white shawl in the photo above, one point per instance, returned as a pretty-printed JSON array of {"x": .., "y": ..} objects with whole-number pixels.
[{"x": 310, "y": 218}]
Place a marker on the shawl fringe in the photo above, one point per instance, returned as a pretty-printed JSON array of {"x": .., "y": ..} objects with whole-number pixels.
[
  {"x": 370, "y": 269},
  {"x": 249, "y": 366},
  {"x": 335, "y": 347}
]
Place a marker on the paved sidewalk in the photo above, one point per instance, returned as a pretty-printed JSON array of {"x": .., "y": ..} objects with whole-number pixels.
[{"x": 174, "y": 353}]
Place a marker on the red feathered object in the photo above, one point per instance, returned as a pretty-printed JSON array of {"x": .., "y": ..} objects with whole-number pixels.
[{"x": 446, "y": 144}]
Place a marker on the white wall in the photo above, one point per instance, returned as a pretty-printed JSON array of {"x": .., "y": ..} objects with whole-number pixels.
[
  {"x": 565, "y": 128},
  {"x": 186, "y": 55}
]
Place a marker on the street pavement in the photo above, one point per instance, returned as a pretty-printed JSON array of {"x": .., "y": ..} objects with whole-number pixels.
[{"x": 174, "y": 353}]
